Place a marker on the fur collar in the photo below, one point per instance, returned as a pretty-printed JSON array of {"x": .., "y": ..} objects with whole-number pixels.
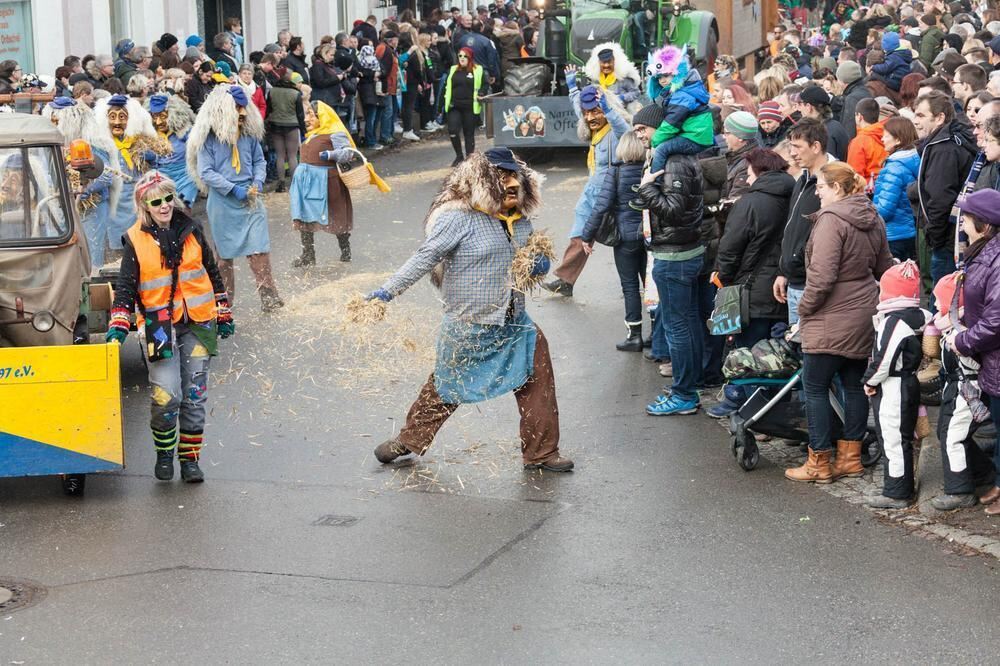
[{"x": 140, "y": 123}]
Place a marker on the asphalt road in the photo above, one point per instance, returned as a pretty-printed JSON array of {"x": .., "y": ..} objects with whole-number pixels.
[{"x": 301, "y": 548}]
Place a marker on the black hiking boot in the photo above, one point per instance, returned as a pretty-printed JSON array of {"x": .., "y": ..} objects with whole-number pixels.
[
  {"x": 164, "y": 468},
  {"x": 191, "y": 472},
  {"x": 633, "y": 343}
]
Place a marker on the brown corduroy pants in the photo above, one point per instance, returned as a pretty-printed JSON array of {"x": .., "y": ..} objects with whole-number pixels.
[
  {"x": 573, "y": 261},
  {"x": 536, "y": 401}
]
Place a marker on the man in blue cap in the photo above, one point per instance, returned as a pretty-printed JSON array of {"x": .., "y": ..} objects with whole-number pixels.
[
  {"x": 487, "y": 346},
  {"x": 601, "y": 122},
  {"x": 225, "y": 157}
]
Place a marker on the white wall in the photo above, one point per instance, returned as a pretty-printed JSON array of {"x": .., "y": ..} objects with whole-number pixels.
[{"x": 48, "y": 13}]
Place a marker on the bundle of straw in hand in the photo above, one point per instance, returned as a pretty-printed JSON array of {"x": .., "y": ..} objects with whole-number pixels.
[
  {"x": 539, "y": 245},
  {"x": 362, "y": 311}
]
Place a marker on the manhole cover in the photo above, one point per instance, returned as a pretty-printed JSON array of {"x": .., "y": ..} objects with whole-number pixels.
[{"x": 18, "y": 594}]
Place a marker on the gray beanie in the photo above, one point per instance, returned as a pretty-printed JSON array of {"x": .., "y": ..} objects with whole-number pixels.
[
  {"x": 741, "y": 124},
  {"x": 848, "y": 72},
  {"x": 650, "y": 115}
]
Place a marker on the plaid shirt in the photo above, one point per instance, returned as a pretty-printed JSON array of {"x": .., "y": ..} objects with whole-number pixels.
[{"x": 477, "y": 256}]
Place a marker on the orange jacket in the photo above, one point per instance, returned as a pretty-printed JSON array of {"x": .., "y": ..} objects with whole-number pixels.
[
  {"x": 194, "y": 287},
  {"x": 865, "y": 152}
]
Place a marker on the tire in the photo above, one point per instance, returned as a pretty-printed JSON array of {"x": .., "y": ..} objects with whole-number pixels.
[
  {"x": 745, "y": 450},
  {"x": 74, "y": 484},
  {"x": 871, "y": 449},
  {"x": 527, "y": 80}
]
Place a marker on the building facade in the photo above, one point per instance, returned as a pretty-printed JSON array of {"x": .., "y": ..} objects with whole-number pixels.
[{"x": 40, "y": 33}]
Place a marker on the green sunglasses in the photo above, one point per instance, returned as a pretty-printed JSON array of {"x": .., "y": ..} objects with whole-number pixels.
[{"x": 156, "y": 202}]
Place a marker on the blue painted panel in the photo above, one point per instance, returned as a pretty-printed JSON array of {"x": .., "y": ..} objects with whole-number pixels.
[{"x": 26, "y": 457}]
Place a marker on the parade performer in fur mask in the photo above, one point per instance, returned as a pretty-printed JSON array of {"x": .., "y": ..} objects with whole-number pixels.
[
  {"x": 100, "y": 196},
  {"x": 609, "y": 68},
  {"x": 173, "y": 119},
  {"x": 225, "y": 158},
  {"x": 133, "y": 135},
  {"x": 488, "y": 346}
]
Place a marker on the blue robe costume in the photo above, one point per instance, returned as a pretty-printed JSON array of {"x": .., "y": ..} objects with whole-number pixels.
[
  {"x": 96, "y": 220},
  {"x": 175, "y": 166},
  {"x": 239, "y": 228}
]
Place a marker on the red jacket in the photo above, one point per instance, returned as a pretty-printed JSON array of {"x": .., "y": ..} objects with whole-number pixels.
[
  {"x": 865, "y": 152},
  {"x": 390, "y": 67},
  {"x": 258, "y": 100}
]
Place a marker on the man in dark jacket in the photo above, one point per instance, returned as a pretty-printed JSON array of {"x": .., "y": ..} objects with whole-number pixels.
[
  {"x": 815, "y": 103},
  {"x": 367, "y": 29},
  {"x": 296, "y": 59},
  {"x": 222, "y": 51},
  {"x": 483, "y": 51},
  {"x": 675, "y": 203},
  {"x": 947, "y": 151},
  {"x": 849, "y": 73},
  {"x": 808, "y": 148},
  {"x": 931, "y": 39}
]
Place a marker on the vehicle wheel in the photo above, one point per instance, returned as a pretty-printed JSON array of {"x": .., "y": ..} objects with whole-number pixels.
[
  {"x": 745, "y": 450},
  {"x": 871, "y": 449},
  {"x": 74, "y": 484}
]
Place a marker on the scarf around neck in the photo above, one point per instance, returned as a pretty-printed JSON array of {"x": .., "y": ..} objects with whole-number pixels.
[{"x": 595, "y": 139}]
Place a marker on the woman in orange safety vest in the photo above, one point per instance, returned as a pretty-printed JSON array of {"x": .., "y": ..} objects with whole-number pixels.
[{"x": 170, "y": 278}]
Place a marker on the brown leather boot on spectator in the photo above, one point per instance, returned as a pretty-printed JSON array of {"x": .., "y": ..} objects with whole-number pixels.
[
  {"x": 816, "y": 470},
  {"x": 848, "y": 462}
]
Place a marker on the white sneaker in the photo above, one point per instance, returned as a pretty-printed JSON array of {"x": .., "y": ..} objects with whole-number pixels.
[
  {"x": 397, "y": 129},
  {"x": 430, "y": 127},
  {"x": 410, "y": 136}
]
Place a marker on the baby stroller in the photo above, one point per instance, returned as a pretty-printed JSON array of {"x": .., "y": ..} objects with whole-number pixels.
[{"x": 776, "y": 407}]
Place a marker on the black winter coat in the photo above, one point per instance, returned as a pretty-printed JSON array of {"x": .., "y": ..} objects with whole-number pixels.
[
  {"x": 326, "y": 83},
  {"x": 751, "y": 245},
  {"x": 853, "y": 94},
  {"x": 803, "y": 204},
  {"x": 945, "y": 159},
  {"x": 837, "y": 140},
  {"x": 366, "y": 87},
  {"x": 676, "y": 205},
  {"x": 615, "y": 195},
  {"x": 297, "y": 64}
]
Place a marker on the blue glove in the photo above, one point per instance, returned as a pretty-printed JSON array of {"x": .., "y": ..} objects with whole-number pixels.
[
  {"x": 116, "y": 334},
  {"x": 326, "y": 155},
  {"x": 605, "y": 107},
  {"x": 226, "y": 329},
  {"x": 380, "y": 294},
  {"x": 240, "y": 192},
  {"x": 541, "y": 265},
  {"x": 571, "y": 81}
]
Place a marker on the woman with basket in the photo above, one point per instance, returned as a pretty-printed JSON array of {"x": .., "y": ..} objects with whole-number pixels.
[{"x": 320, "y": 194}]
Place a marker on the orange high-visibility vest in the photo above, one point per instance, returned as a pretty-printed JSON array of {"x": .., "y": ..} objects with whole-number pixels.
[{"x": 194, "y": 293}]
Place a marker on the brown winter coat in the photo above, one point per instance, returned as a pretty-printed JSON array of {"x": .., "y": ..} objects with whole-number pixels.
[{"x": 846, "y": 253}]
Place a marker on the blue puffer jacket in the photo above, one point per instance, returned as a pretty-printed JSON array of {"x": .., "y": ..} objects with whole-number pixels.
[
  {"x": 895, "y": 66},
  {"x": 615, "y": 195},
  {"x": 900, "y": 169}
]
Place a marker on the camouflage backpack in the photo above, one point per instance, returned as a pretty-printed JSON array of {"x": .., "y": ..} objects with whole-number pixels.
[{"x": 770, "y": 358}]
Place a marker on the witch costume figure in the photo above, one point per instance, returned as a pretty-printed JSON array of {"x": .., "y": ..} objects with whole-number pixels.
[
  {"x": 129, "y": 124},
  {"x": 225, "y": 157},
  {"x": 488, "y": 345},
  {"x": 173, "y": 119},
  {"x": 609, "y": 68},
  {"x": 319, "y": 199},
  {"x": 99, "y": 196}
]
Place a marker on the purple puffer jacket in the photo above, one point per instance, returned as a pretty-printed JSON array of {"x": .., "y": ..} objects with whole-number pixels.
[{"x": 982, "y": 315}]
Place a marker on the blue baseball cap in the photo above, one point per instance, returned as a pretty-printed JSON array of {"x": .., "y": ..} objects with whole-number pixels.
[
  {"x": 158, "y": 103},
  {"x": 502, "y": 158},
  {"x": 588, "y": 98}
]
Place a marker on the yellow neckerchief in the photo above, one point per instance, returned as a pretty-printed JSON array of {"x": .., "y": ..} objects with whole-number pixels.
[
  {"x": 329, "y": 120},
  {"x": 509, "y": 220},
  {"x": 607, "y": 80},
  {"x": 595, "y": 139},
  {"x": 124, "y": 147},
  {"x": 235, "y": 162}
]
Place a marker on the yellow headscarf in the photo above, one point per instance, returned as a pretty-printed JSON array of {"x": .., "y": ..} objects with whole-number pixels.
[{"x": 330, "y": 123}]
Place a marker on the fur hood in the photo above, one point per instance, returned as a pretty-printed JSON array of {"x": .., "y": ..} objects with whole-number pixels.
[
  {"x": 218, "y": 116},
  {"x": 180, "y": 117},
  {"x": 140, "y": 123},
  {"x": 624, "y": 69},
  {"x": 79, "y": 122},
  {"x": 475, "y": 184}
]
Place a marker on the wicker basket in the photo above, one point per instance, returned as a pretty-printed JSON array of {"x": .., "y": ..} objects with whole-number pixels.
[{"x": 357, "y": 178}]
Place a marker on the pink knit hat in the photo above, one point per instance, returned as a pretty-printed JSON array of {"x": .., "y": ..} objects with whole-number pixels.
[{"x": 900, "y": 281}]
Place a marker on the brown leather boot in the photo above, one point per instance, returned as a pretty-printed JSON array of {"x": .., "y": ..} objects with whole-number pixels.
[
  {"x": 817, "y": 468},
  {"x": 848, "y": 462}
]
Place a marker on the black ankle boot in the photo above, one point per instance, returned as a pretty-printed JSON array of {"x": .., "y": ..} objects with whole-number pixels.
[
  {"x": 344, "y": 240},
  {"x": 308, "y": 257},
  {"x": 164, "y": 469},
  {"x": 190, "y": 472},
  {"x": 633, "y": 343}
]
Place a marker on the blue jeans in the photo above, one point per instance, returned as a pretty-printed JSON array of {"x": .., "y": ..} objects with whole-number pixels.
[
  {"x": 794, "y": 296},
  {"x": 677, "y": 282},
  {"x": 818, "y": 372},
  {"x": 904, "y": 248},
  {"x": 630, "y": 260},
  {"x": 679, "y": 145},
  {"x": 661, "y": 346},
  {"x": 942, "y": 263}
]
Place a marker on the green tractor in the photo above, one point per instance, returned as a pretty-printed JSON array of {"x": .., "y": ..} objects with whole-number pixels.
[{"x": 534, "y": 110}]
